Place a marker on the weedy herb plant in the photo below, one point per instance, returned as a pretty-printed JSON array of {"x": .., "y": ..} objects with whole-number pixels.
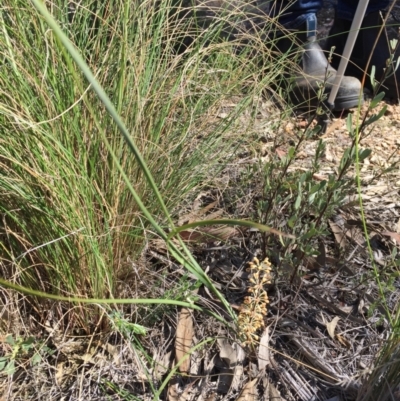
[
  {"x": 305, "y": 203},
  {"x": 22, "y": 351}
]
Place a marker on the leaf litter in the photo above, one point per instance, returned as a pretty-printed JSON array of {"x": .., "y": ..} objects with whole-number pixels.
[{"x": 321, "y": 333}]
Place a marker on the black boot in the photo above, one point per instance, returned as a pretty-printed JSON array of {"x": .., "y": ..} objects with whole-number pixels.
[
  {"x": 315, "y": 71},
  {"x": 381, "y": 54}
]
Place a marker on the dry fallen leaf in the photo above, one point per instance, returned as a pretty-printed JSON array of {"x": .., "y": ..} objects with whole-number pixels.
[
  {"x": 263, "y": 350},
  {"x": 161, "y": 362},
  {"x": 398, "y": 226},
  {"x": 343, "y": 341},
  {"x": 330, "y": 327},
  {"x": 226, "y": 352},
  {"x": 59, "y": 373},
  {"x": 340, "y": 236},
  {"x": 249, "y": 392},
  {"x": 281, "y": 153},
  {"x": 172, "y": 391},
  {"x": 183, "y": 341},
  {"x": 238, "y": 368},
  {"x": 189, "y": 393},
  {"x": 392, "y": 235},
  {"x": 270, "y": 389},
  {"x": 227, "y": 360},
  {"x": 196, "y": 214},
  {"x": 208, "y": 234}
]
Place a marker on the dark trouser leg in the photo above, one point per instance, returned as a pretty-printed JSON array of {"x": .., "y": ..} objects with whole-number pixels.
[
  {"x": 294, "y": 14},
  {"x": 346, "y": 9},
  {"x": 369, "y": 35}
]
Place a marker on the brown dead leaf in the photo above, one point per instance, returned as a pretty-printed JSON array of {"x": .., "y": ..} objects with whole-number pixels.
[
  {"x": 226, "y": 352},
  {"x": 281, "y": 153},
  {"x": 238, "y": 368},
  {"x": 270, "y": 389},
  {"x": 343, "y": 341},
  {"x": 316, "y": 264},
  {"x": 263, "y": 350},
  {"x": 189, "y": 394},
  {"x": 302, "y": 124},
  {"x": 60, "y": 373},
  {"x": 226, "y": 362},
  {"x": 321, "y": 258},
  {"x": 161, "y": 362},
  {"x": 395, "y": 236},
  {"x": 208, "y": 234},
  {"x": 331, "y": 326},
  {"x": 88, "y": 358},
  {"x": 183, "y": 341},
  {"x": 196, "y": 214},
  {"x": 249, "y": 392},
  {"x": 339, "y": 235},
  {"x": 320, "y": 177},
  {"x": 333, "y": 125},
  {"x": 172, "y": 394},
  {"x": 230, "y": 365}
]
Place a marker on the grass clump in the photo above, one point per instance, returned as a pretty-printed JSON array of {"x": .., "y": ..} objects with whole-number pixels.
[{"x": 70, "y": 222}]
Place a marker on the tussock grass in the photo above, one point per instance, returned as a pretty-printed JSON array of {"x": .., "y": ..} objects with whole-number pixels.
[{"x": 70, "y": 223}]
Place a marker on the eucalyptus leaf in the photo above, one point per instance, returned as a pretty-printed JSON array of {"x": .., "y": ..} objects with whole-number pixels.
[
  {"x": 363, "y": 154},
  {"x": 375, "y": 101},
  {"x": 376, "y": 117}
]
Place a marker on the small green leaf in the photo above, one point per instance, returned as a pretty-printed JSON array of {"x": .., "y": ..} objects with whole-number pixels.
[
  {"x": 311, "y": 232},
  {"x": 302, "y": 179},
  {"x": 10, "y": 368},
  {"x": 311, "y": 198},
  {"x": 47, "y": 350},
  {"x": 27, "y": 344},
  {"x": 298, "y": 202},
  {"x": 349, "y": 123},
  {"x": 137, "y": 328},
  {"x": 36, "y": 359},
  {"x": 317, "y": 187},
  {"x": 376, "y": 117},
  {"x": 291, "y": 222},
  {"x": 376, "y": 100},
  {"x": 363, "y": 154},
  {"x": 3, "y": 362},
  {"x": 372, "y": 77},
  {"x": 314, "y": 189},
  {"x": 397, "y": 64},
  {"x": 291, "y": 152},
  {"x": 10, "y": 340}
]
